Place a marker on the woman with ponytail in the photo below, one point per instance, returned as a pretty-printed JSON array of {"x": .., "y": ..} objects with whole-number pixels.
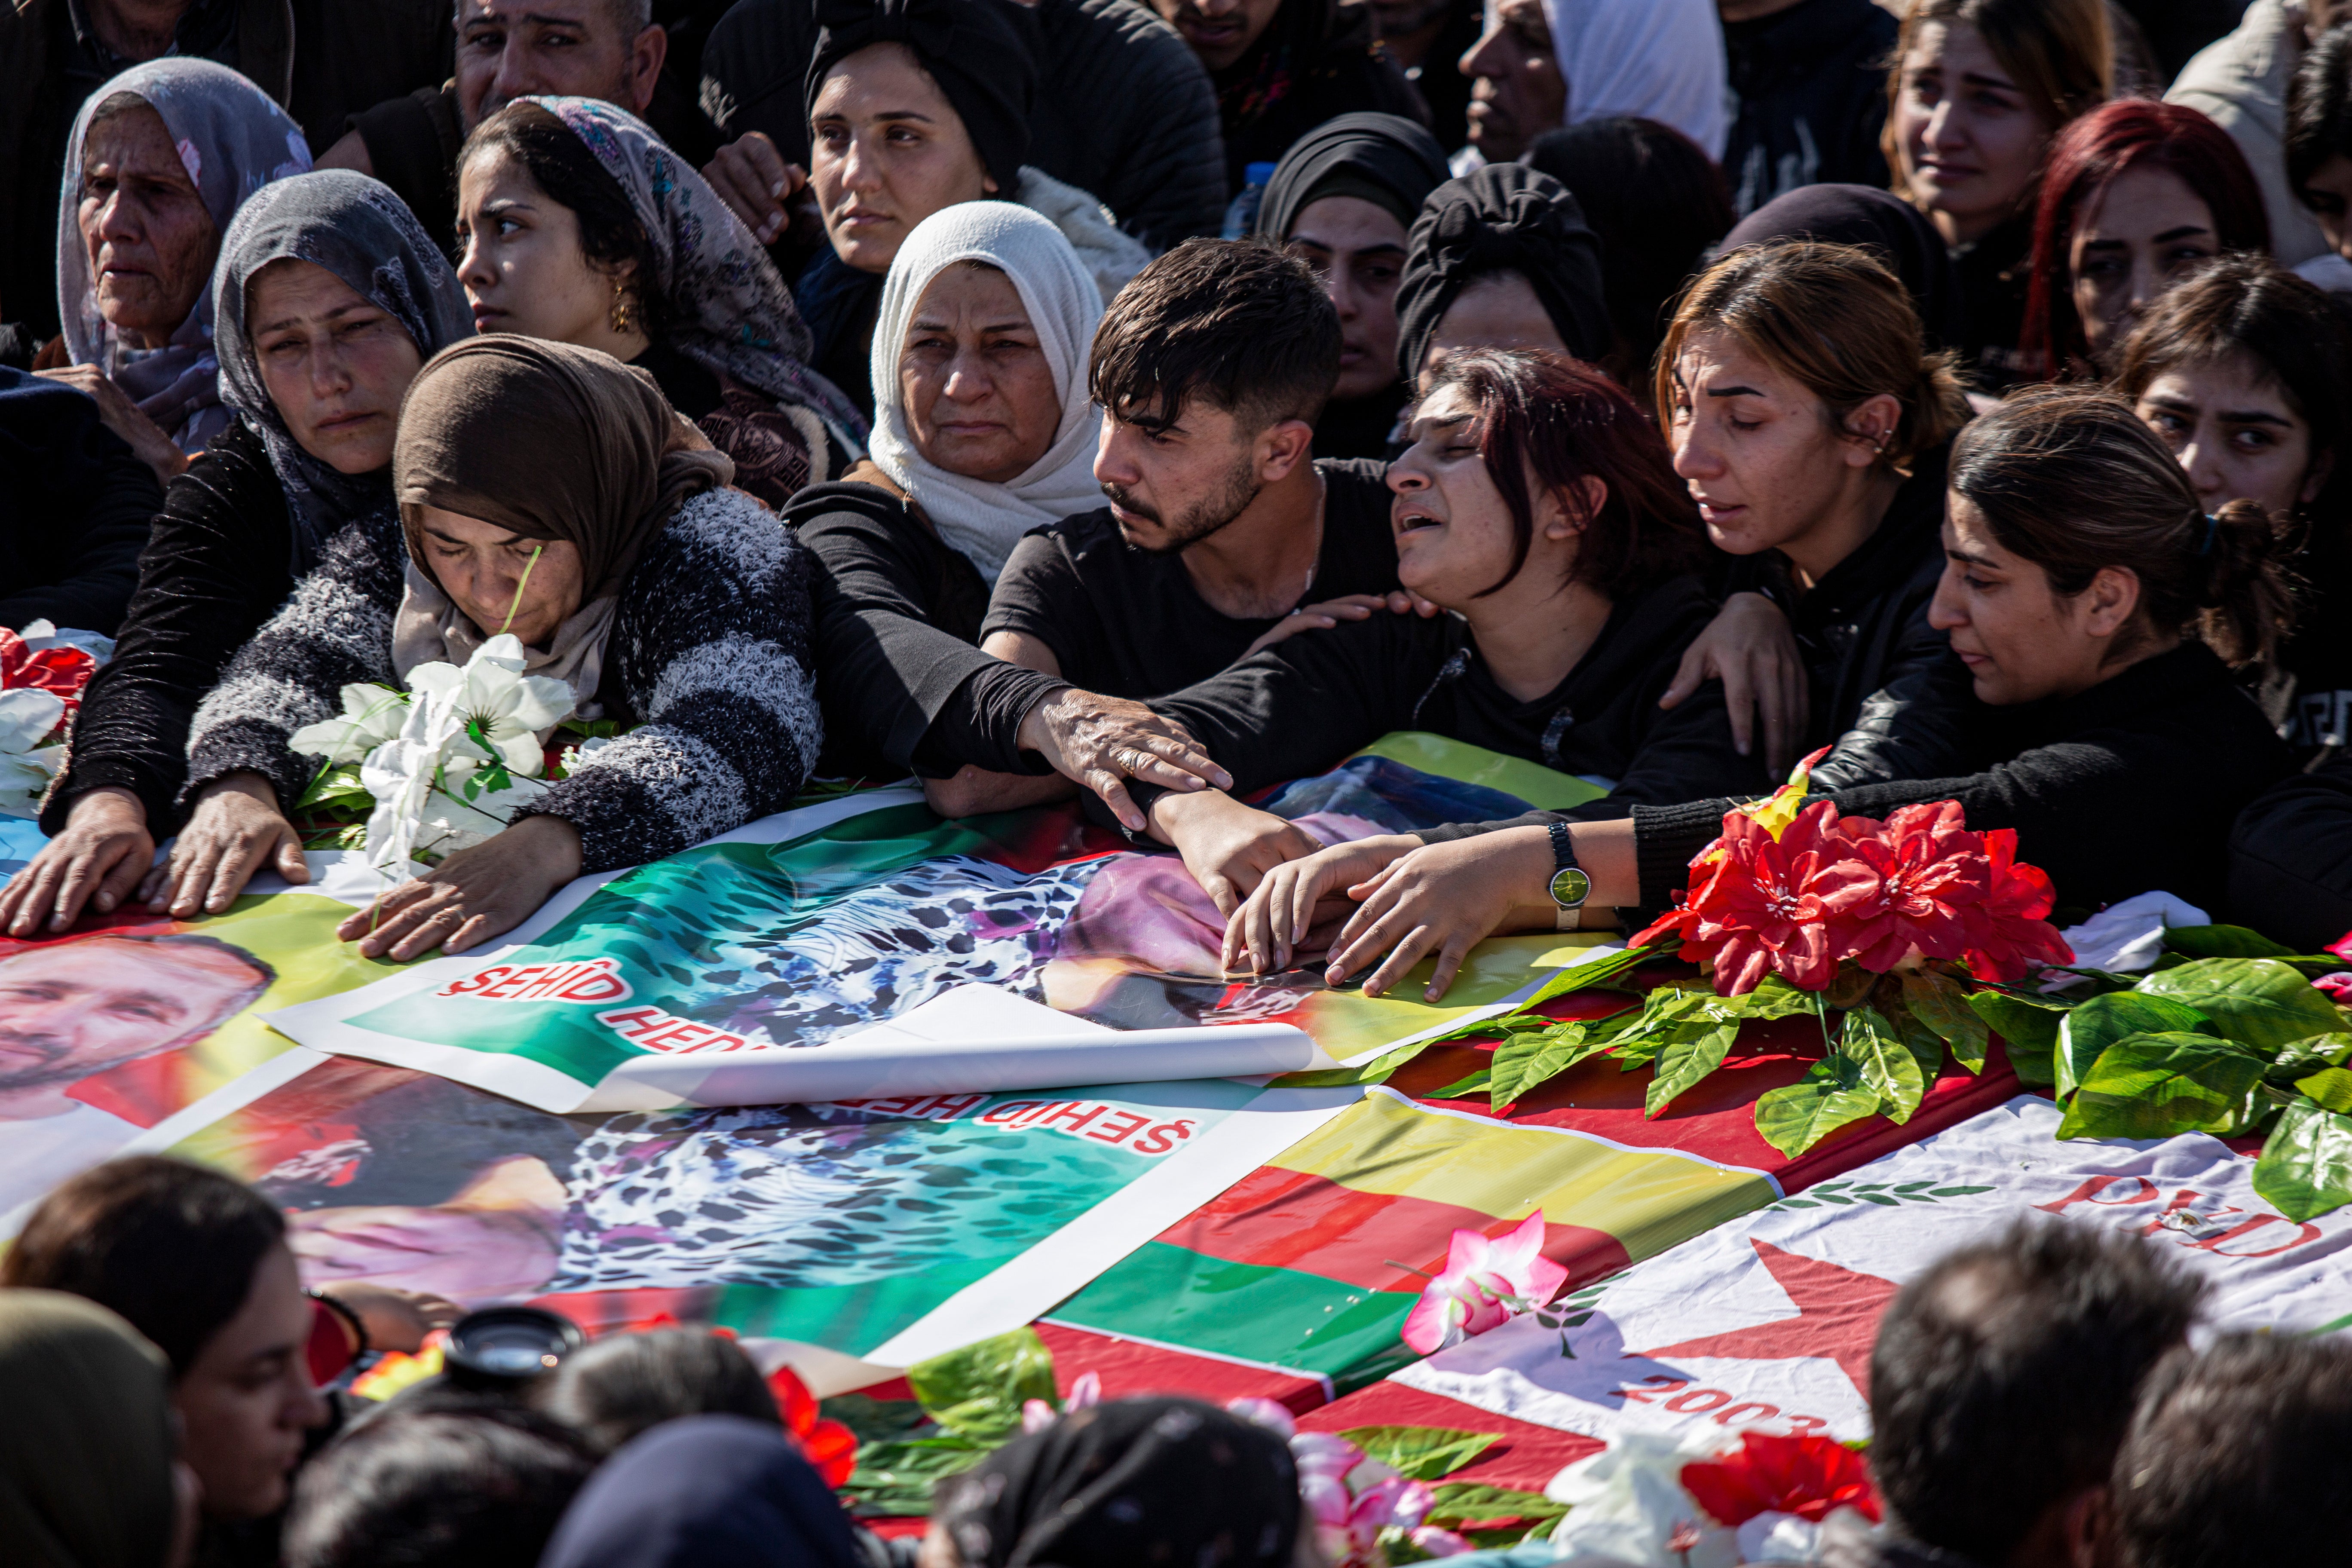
[
  {"x": 2099, "y": 610},
  {"x": 1811, "y": 426}
]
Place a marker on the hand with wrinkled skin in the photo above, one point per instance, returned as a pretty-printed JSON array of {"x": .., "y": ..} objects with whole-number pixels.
[
  {"x": 1750, "y": 648},
  {"x": 394, "y": 1319},
  {"x": 752, "y": 178},
  {"x": 97, "y": 862},
  {"x": 1331, "y": 612},
  {"x": 235, "y": 832},
  {"x": 1299, "y": 898},
  {"x": 1101, "y": 742},
  {"x": 1228, "y": 847},
  {"x": 1442, "y": 899},
  {"x": 147, "y": 440},
  {"x": 471, "y": 897}
]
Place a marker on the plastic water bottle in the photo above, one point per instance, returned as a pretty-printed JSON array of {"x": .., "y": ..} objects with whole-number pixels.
[{"x": 1241, "y": 215}]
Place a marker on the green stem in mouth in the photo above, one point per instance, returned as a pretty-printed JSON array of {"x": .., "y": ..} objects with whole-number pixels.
[{"x": 521, "y": 584}]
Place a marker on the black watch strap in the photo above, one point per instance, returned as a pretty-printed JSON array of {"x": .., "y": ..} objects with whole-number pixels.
[{"x": 1570, "y": 886}]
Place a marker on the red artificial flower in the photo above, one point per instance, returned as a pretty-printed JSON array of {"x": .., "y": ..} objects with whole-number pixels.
[
  {"x": 1809, "y": 1476},
  {"x": 1759, "y": 903},
  {"x": 1913, "y": 883},
  {"x": 61, "y": 670},
  {"x": 829, "y": 1446},
  {"x": 2011, "y": 936}
]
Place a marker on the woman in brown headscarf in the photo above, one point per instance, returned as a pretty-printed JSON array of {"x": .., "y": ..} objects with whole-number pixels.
[{"x": 549, "y": 492}]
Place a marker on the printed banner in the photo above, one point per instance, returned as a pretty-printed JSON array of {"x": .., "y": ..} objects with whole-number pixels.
[{"x": 1768, "y": 1322}]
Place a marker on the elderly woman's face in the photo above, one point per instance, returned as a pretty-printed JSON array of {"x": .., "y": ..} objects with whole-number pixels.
[
  {"x": 887, "y": 150},
  {"x": 503, "y": 582},
  {"x": 978, "y": 391},
  {"x": 1498, "y": 311},
  {"x": 151, "y": 242},
  {"x": 335, "y": 365}
]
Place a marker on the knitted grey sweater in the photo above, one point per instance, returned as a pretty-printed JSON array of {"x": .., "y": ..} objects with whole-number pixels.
[{"x": 709, "y": 649}]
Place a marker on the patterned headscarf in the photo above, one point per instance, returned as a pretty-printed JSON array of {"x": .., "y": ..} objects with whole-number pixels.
[
  {"x": 364, "y": 235},
  {"x": 232, "y": 140},
  {"x": 729, "y": 309}
]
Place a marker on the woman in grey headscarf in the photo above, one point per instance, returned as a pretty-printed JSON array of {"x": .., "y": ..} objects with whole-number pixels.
[
  {"x": 328, "y": 301},
  {"x": 159, "y": 161}
]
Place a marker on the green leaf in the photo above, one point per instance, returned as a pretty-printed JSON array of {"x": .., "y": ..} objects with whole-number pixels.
[
  {"x": 1525, "y": 1062},
  {"x": 1938, "y": 1001},
  {"x": 977, "y": 1392},
  {"x": 2222, "y": 942},
  {"x": 2099, "y": 1023},
  {"x": 2026, "y": 1026},
  {"x": 2253, "y": 1001},
  {"x": 1421, "y": 1453},
  {"x": 1463, "y": 1088},
  {"x": 1688, "y": 1056},
  {"x": 2153, "y": 1086},
  {"x": 2330, "y": 1087},
  {"x": 1460, "y": 1503},
  {"x": 1889, "y": 1069},
  {"x": 1378, "y": 1069},
  {"x": 1583, "y": 976},
  {"x": 2305, "y": 1169},
  {"x": 1776, "y": 998},
  {"x": 896, "y": 1479},
  {"x": 1794, "y": 1117},
  {"x": 873, "y": 1420},
  {"x": 2304, "y": 1057}
]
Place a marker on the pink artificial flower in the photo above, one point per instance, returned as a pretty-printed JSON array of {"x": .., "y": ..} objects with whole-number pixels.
[
  {"x": 1436, "y": 1543},
  {"x": 1271, "y": 1414},
  {"x": 1085, "y": 1391},
  {"x": 1485, "y": 1283},
  {"x": 2337, "y": 986}
]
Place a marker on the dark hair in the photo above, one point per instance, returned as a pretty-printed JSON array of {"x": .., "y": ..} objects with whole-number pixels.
[
  {"x": 170, "y": 1246},
  {"x": 2319, "y": 108},
  {"x": 1657, "y": 200},
  {"x": 2085, "y": 158},
  {"x": 265, "y": 974},
  {"x": 612, "y": 236},
  {"x": 1567, "y": 422},
  {"x": 2296, "y": 333},
  {"x": 1239, "y": 322},
  {"x": 2239, "y": 1457},
  {"x": 2073, "y": 481},
  {"x": 628, "y": 1384},
  {"x": 2003, "y": 1377},
  {"x": 435, "y": 1488},
  {"x": 1835, "y": 320}
]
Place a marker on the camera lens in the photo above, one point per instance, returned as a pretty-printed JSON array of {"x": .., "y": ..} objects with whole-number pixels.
[{"x": 500, "y": 1347}]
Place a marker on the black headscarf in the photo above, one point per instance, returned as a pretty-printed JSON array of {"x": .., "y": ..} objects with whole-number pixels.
[
  {"x": 982, "y": 53},
  {"x": 1503, "y": 218},
  {"x": 1879, "y": 220},
  {"x": 703, "y": 1491},
  {"x": 1132, "y": 1481},
  {"x": 1383, "y": 158}
]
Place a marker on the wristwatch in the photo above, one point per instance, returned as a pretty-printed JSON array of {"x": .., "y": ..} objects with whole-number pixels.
[{"x": 1570, "y": 887}]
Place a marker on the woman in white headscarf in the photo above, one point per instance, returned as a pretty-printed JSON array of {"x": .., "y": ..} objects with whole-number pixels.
[
  {"x": 983, "y": 430},
  {"x": 1550, "y": 63}
]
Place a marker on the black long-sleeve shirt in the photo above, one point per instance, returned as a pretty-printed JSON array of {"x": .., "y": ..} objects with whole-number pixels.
[
  {"x": 216, "y": 566},
  {"x": 2291, "y": 859},
  {"x": 1300, "y": 705},
  {"x": 897, "y": 615},
  {"x": 1888, "y": 695},
  {"x": 2129, "y": 786},
  {"x": 74, "y": 509}
]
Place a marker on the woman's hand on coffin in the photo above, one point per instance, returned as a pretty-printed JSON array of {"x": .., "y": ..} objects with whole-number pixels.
[
  {"x": 1228, "y": 847},
  {"x": 236, "y": 833},
  {"x": 1298, "y": 898},
  {"x": 1101, "y": 741},
  {"x": 1750, "y": 648},
  {"x": 1440, "y": 900},
  {"x": 1331, "y": 612},
  {"x": 471, "y": 897},
  {"x": 98, "y": 861}
]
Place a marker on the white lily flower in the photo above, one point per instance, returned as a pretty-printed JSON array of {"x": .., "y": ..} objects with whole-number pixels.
[
  {"x": 400, "y": 774},
  {"x": 42, "y": 634},
  {"x": 27, "y": 715},
  {"x": 492, "y": 694},
  {"x": 371, "y": 715}
]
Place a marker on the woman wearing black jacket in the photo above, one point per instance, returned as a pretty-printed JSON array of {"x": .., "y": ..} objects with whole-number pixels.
[
  {"x": 2098, "y": 607},
  {"x": 1536, "y": 504},
  {"x": 329, "y": 297},
  {"x": 1811, "y": 424}
]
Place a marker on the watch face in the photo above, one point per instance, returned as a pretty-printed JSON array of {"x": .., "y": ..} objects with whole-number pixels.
[{"x": 1570, "y": 887}]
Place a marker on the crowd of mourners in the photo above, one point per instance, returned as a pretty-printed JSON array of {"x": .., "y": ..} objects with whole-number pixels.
[{"x": 1146, "y": 403}]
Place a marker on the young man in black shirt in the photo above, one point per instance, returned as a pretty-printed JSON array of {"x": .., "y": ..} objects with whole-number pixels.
[{"x": 1223, "y": 533}]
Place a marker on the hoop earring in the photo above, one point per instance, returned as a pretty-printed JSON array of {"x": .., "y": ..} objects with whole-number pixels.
[{"x": 621, "y": 317}]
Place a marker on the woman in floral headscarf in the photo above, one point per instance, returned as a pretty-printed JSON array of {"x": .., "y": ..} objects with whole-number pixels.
[
  {"x": 580, "y": 225},
  {"x": 160, "y": 160}
]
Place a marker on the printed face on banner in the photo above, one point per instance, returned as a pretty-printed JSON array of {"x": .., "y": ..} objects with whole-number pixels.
[{"x": 1769, "y": 1322}]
